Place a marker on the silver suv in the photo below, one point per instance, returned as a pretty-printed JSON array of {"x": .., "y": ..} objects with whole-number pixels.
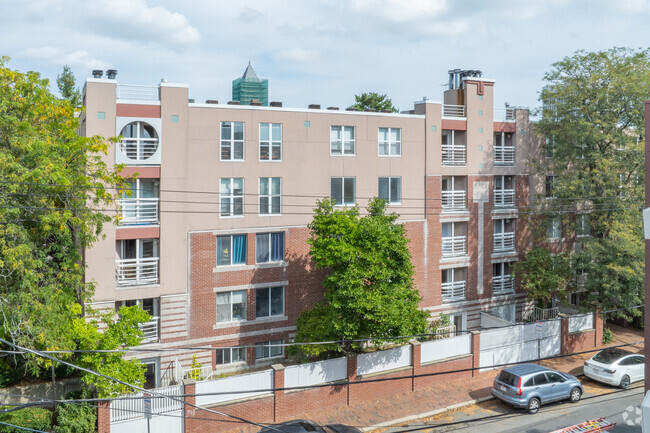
[{"x": 530, "y": 385}]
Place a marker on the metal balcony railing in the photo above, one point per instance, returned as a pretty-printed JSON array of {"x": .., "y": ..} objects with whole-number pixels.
[
  {"x": 454, "y": 291},
  {"x": 139, "y": 149},
  {"x": 150, "y": 330},
  {"x": 453, "y": 246},
  {"x": 503, "y": 285},
  {"x": 536, "y": 314},
  {"x": 454, "y": 155},
  {"x": 454, "y": 200},
  {"x": 138, "y": 210},
  {"x": 504, "y": 114},
  {"x": 449, "y": 110},
  {"x": 136, "y": 272},
  {"x": 444, "y": 332},
  {"x": 504, "y": 197},
  {"x": 504, "y": 242},
  {"x": 138, "y": 93},
  {"x": 504, "y": 155}
]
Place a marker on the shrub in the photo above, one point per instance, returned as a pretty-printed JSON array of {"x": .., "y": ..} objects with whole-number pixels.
[
  {"x": 75, "y": 418},
  {"x": 608, "y": 336},
  {"x": 35, "y": 418}
]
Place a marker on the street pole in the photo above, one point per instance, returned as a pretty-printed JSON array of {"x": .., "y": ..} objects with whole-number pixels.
[{"x": 646, "y": 227}]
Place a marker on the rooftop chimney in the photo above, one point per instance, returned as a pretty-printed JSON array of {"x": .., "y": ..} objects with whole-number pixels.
[
  {"x": 111, "y": 74},
  {"x": 275, "y": 104},
  {"x": 97, "y": 73},
  {"x": 314, "y": 106},
  {"x": 211, "y": 101}
]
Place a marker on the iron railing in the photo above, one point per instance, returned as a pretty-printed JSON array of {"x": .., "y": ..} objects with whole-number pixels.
[
  {"x": 139, "y": 149},
  {"x": 504, "y": 197},
  {"x": 453, "y": 200},
  {"x": 454, "y": 291},
  {"x": 504, "y": 155},
  {"x": 138, "y": 93},
  {"x": 138, "y": 210},
  {"x": 454, "y": 246},
  {"x": 150, "y": 330},
  {"x": 504, "y": 242},
  {"x": 502, "y": 285},
  {"x": 136, "y": 272},
  {"x": 454, "y": 155},
  {"x": 449, "y": 110}
]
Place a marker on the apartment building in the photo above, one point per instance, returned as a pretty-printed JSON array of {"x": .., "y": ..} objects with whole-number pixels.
[{"x": 211, "y": 241}]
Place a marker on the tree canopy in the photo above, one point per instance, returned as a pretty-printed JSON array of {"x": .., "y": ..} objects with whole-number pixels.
[
  {"x": 373, "y": 100},
  {"x": 68, "y": 87},
  {"x": 369, "y": 290}
]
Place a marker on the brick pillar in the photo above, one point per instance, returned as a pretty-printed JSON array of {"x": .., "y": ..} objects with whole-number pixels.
[
  {"x": 189, "y": 389},
  {"x": 476, "y": 351},
  {"x": 103, "y": 417},
  {"x": 598, "y": 325},
  {"x": 352, "y": 372},
  {"x": 278, "y": 395},
  {"x": 564, "y": 336},
  {"x": 415, "y": 361}
]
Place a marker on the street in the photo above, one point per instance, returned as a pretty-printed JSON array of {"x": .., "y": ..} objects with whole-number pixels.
[{"x": 493, "y": 416}]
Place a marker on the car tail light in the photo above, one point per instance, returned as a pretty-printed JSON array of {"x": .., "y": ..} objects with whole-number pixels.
[
  {"x": 610, "y": 371},
  {"x": 519, "y": 391}
]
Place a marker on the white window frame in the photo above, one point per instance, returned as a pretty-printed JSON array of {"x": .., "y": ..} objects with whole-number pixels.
[
  {"x": 230, "y": 351},
  {"x": 231, "y": 197},
  {"x": 270, "y": 196},
  {"x": 265, "y": 345},
  {"x": 553, "y": 229},
  {"x": 343, "y": 181},
  {"x": 353, "y": 142},
  {"x": 231, "y": 305},
  {"x": 583, "y": 229},
  {"x": 231, "y": 247},
  {"x": 390, "y": 142},
  {"x": 270, "y": 289},
  {"x": 270, "y": 143},
  {"x": 390, "y": 179},
  {"x": 269, "y": 235},
  {"x": 231, "y": 141}
]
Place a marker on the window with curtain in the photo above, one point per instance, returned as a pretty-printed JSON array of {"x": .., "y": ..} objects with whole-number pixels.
[
  {"x": 231, "y": 250},
  {"x": 232, "y": 141},
  {"x": 270, "y": 195},
  {"x": 390, "y": 141},
  {"x": 269, "y": 247},
  {"x": 231, "y": 306},
  {"x": 232, "y": 196},
  {"x": 269, "y": 301},
  {"x": 270, "y": 141}
]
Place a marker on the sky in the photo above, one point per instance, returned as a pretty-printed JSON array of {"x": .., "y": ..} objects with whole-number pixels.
[{"x": 317, "y": 51}]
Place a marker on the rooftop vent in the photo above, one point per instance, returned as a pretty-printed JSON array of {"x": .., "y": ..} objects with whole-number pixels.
[
  {"x": 211, "y": 101},
  {"x": 372, "y": 110},
  {"x": 333, "y": 108},
  {"x": 275, "y": 104},
  {"x": 456, "y": 77},
  {"x": 256, "y": 103},
  {"x": 190, "y": 101},
  {"x": 233, "y": 102},
  {"x": 111, "y": 74},
  {"x": 97, "y": 73},
  {"x": 386, "y": 110},
  {"x": 352, "y": 109},
  {"x": 314, "y": 106}
]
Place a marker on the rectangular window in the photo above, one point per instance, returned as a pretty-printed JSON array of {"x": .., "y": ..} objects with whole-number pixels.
[
  {"x": 269, "y": 302},
  {"x": 554, "y": 228},
  {"x": 454, "y": 284},
  {"x": 549, "y": 187},
  {"x": 232, "y": 196},
  {"x": 390, "y": 141},
  {"x": 231, "y": 355},
  {"x": 342, "y": 140},
  {"x": 343, "y": 190},
  {"x": 269, "y": 247},
  {"x": 231, "y": 306},
  {"x": 390, "y": 189},
  {"x": 270, "y": 141},
  {"x": 270, "y": 195},
  {"x": 582, "y": 225},
  {"x": 269, "y": 349},
  {"x": 232, "y": 141},
  {"x": 231, "y": 250},
  {"x": 549, "y": 147}
]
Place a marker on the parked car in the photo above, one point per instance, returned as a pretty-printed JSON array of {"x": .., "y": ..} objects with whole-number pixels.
[
  {"x": 531, "y": 385},
  {"x": 617, "y": 367},
  {"x": 306, "y": 426}
]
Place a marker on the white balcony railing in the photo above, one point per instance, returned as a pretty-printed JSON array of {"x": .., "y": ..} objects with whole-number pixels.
[
  {"x": 150, "y": 330},
  {"x": 138, "y": 210},
  {"x": 454, "y": 155},
  {"x": 198, "y": 373},
  {"x": 504, "y": 242},
  {"x": 454, "y": 200},
  {"x": 136, "y": 272},
  {"x": 504, "y": 197},
  {"x": 454, "y": 291},
  {"x": 504, "y": 114},
  {"x": 449, "y": 110},
  {"x": 504, "y": 155},
  {"x": 536, "y": 314},
  {"x": 453, "y": 246},
  {"x": 138, "y": 93},
  {"x": 139, "y": 149},
  {"x": 444, "y": 332},
  {"x": 503, "y": 285}
]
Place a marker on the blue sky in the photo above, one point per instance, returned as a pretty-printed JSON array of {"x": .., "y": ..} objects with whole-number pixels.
[{"x": 316, "y": 51}]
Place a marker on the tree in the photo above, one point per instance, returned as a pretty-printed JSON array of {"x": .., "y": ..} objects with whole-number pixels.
[
  {"x": 593, "y": 124},
  {"x": 53, "y": 184},
  {"x": 545, "y": 276},
  {"x": 369, "y": 290},
  {"x": 373, "y": 100},
  {"x": 67, "y": 87}
]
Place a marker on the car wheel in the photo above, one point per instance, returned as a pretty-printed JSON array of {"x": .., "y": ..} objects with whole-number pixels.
[
  {"x": 575, "y": 395},
  {"x": 533, "y": 405},
  {"x": 625, "y": 381}
]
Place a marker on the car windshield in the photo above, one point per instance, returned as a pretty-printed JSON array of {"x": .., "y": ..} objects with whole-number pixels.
[
  {"x": 610, "y": 356},
  {"x": 507, "y": 378}
]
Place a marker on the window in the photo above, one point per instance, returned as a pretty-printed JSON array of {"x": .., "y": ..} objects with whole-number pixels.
[
  {"x": 151, "y": 373},
  {"x": 231, "y": 250},
  {"x": 454, "y": 239},
  {"x": 390, "y": 189},
  {"x": 269, "y": 349},
  {"x": 343, "y": 190},
  {"x": 342, "y": 140},
  {"x": 453, "y": 284},
  {"x": 390, "y": 141},
  {"x": 554, "y": 228},
  {"x": 269, "y": 302},
  {"x": 140, "y": 140},
  {"x": 270, "y": 193},
  {"x": 504, "y": 235},
  {"x": 502, "y": 282},
  {"x": 231, "y": 355},
  {"x": 454, "y": 192},
  {"x": 139, "y": 202},
  {"x": 549, "y": 147},
  {"x": 232, "y": 141},
  {"x": 138, "y": 262},
  {"x": 504, "y": 191},
  {"x": 550, "y": 187},
  {"x": 231, "y": 306},
  {"x": 582, "y": 225},
  {"x": 269, "y": 247},
  {"x": 270, "y": 141},
  {"x": 232, "y": 196}
]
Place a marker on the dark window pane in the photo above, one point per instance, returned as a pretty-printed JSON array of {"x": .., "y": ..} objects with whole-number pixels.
[{"x": 262, "y": 302}]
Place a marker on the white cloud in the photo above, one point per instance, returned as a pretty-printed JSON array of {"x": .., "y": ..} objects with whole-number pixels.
[
  {"x": 297, "y": 55},
  {"x": 401, "y": 11},
  {"x": 58, "y": 56}
]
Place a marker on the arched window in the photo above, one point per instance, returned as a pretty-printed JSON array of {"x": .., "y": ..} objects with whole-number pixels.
[{"x": 140, "y": 141}]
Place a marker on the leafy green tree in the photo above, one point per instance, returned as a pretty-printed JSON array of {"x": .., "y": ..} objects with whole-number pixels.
[
  {"x": 373, "y": 100},
  {"x": 369, "y": 290},
  {"x": 67, "y": 87},
  {"x": 593, "y": 124},
  {"x": 545, "y": 276}
]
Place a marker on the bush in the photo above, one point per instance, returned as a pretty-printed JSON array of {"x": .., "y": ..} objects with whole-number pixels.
[
  {"x": 76, "y": 418},
  {"x": 608, "y": 336},
  {"x": 35, "y": 418}
]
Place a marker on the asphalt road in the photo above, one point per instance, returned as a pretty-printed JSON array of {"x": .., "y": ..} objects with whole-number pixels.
[{"x": 494, "y": 416}]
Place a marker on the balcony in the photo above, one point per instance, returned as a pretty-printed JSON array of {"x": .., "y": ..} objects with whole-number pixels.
[
  {"x": 504, "y": 198},
  {"x": 503, "y": 285},
  {"x": 454, "y": 246},
  {"x": 449, "y": 110},
  {"x": 138, "y": 211},
  {"x": 504, "y": 155},
  {"x": 136, "y": 272},
  {"x": 454, "y": 291},
  {"x": 139, "y": 150},
  {"x": 150, "y": 330},
  {"x": 504, "y": 114},
  {"x": 134, "y": 92},
  {"x": 454, "y": 200},
  {"x": 504, "y": 242},
  {"x": 454, "y": 155}
]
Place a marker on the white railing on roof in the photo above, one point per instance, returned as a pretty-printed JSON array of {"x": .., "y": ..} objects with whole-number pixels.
[
  {"x": 504, "y": 114},
  {"x": 130, "y": 406},
  {"x": 138, "y": 210},
  {"x": 542, "y": 313},
  {"x": 449, "y": 110},
  {"x": 454, "y": 246},
  {"x": 504, "y": 155},
  {"x": 453, "y": 200},
  {"x": 502, "y": 285},
  {"x": 138, "y": 93},
  {"x": 136, "y": 272},
  {"x": 454, "y": 291},
  {"x": 198, "y": 373},
  {"x": 150, "y": 330},
  {"x": 454, "y": 154},
  {"x": 504, "y": 197},
  {"x": 504, "y": 242},
  {"x": 443, "y": 332}
]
